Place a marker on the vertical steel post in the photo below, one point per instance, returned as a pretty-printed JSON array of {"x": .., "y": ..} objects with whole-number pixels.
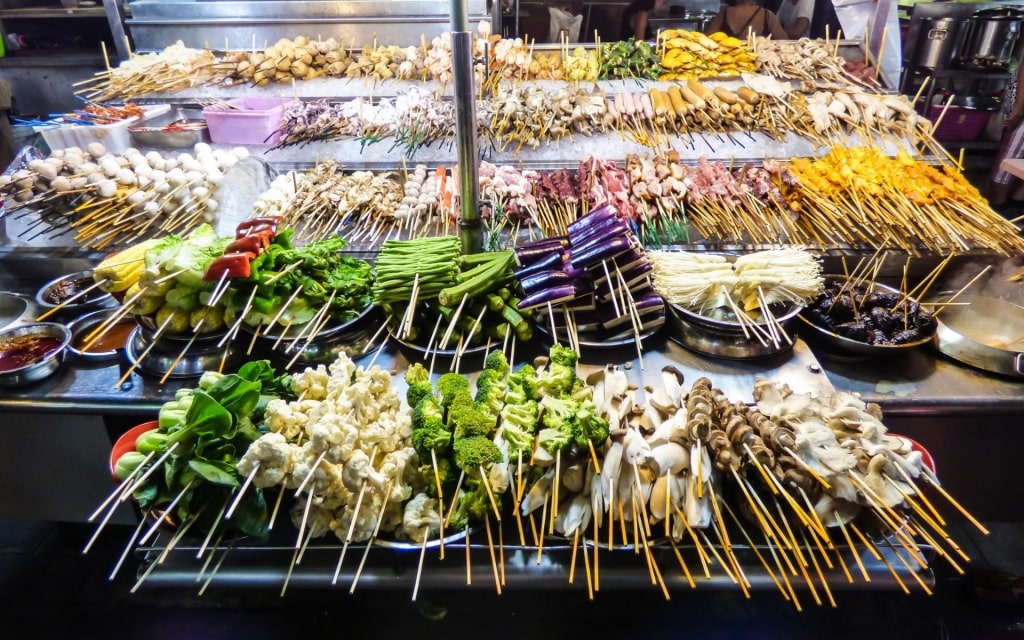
[{"x": 470, "y": 226}]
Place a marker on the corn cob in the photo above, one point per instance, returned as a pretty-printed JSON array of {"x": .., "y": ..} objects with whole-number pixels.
[{"x": 124, "y": 268}]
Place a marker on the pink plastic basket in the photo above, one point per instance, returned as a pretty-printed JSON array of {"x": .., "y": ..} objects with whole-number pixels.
[
  {"x": 255, "y": 121},
  {"x": 959, "y": 123}
]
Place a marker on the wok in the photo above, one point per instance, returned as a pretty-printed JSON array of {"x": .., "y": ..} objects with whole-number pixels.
[{"x": 987, "y": 334}]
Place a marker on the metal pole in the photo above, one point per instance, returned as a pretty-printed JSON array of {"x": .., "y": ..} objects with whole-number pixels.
[{"x": 470, "y": 227}]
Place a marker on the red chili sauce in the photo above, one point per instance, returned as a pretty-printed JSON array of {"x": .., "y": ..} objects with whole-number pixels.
[{"x": 21, "y": 351}]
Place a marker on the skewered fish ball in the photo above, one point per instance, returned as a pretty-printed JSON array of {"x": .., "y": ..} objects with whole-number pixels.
[
  {"x": 61, "y": 184},
  {"x": 96, "y": 150},
  {"x": 107, "y": 188},
  {"x": 126, "y": 177}
]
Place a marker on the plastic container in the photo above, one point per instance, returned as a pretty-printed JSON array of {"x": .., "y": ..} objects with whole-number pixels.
[
  {"x": 964, "y": 120},
  {"x": 255, "y": 121},
  {"x": 114, "y": 136},
  {"x": 159, "y": 130}
]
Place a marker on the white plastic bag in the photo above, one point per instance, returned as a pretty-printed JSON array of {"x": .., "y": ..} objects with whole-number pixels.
[{"x": 563, "y": 22}]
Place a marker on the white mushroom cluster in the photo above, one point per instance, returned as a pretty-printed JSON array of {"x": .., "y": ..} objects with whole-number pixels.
[
  {"x": 345, "y": 444},
  {"x": 277, "y": 200}
]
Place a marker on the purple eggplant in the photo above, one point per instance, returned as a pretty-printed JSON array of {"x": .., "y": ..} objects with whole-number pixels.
[
  {"x": 611, "y": 232},
  {"x": 604, "y": 251},
  {"x": 554, "y": 260},
  {"x": 631, "y": 275},
  {"x": 544, "y": 280},
  {"x": 592, "y": 217},
  {"x": 647, "y": 308},
  {"x": 527, "y": 254},
  {"x": 555, "y": 295},
  {"x": 586, "y": 234}
]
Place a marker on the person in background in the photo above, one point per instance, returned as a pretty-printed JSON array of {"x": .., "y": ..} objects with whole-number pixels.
[
  {"x": 796, "y": 16},
  {"x": 1005, "y": 190},
  {"x": 739, "y": 17},
  {"x": 636, "y": 19}
]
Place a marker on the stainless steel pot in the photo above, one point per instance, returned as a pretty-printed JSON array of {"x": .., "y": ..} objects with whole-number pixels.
[
  {"x": 726, "y": 338},
  {"x": 989, "y": 38},
  {"x": 987, "y": 334},
  {"x": 936, "y": 42}
]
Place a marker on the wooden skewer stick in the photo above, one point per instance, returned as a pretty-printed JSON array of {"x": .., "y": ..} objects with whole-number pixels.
[
  {"x": 145, "y": 476},
  {"x": 376, "y": 530},
  {"x": 796, "y": 549},
  {"x": 419, "y": 567},
  {"x": 110, "y": 512},
  {"x": 241, "y": 491},
  {"x": 209, "y": 534},
  {"x": 963, "y": 288},
  {"x": 888, "y": 566},
  {"x": 281, "y": 311},
  {"x": 142, "y": 356},
  {"x": 295, "y": 560},
  {"x": 934, "y": 483},
  {"x": 302, "y": 524},
  {"x": 111, "y": 320},
  {"x": 170, "y": 509},
  {"x": 312, "y": 470},
  {"x": 913, "y": 574},
  {"x": 128, "y": 547},
  {"x": 283, "y": 272},
  {"x": 455, "y": 499},
  {"x": 913, "y": 485},
  {"x": 753, "y": 548},
  {"x": 122, "y": 486},
  {"x": 494, "y": 561},
  {"x": 853, "y": 549},
  {"x": 490, "y": 493},
  {"x": 705, "y": 560},
  {"x": 469, "y": 566},
  {"x": 69, "y": 300}
]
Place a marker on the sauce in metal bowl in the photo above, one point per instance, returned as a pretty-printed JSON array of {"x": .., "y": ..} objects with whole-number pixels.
[{"x": 21, "y": 351}]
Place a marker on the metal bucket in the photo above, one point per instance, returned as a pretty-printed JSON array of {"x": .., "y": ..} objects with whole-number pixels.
[
  {"x": 990, "y": 38},
  {"x": 936, "y": 42}
]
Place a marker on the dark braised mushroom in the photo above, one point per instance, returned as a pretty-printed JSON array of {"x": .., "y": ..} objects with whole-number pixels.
[{"x": 853, "y": 330}]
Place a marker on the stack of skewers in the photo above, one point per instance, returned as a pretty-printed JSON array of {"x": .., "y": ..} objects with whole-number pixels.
[{"x": 807, "y": 486}]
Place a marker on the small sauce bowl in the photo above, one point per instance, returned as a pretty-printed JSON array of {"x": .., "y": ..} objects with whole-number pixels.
[
  {"x": 107, "y": 344},
  {"x": 32, "y": 352}
]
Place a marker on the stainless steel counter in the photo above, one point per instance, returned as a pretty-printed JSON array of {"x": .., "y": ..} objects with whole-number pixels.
[{"x": 155, "y": 24}]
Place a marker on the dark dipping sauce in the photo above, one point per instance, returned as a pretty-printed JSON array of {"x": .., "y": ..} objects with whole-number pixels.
[
  {"x": 61, "y": 291},
  {"x": 111, "y": 339},
  {"x": 22, "y": 351}
]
